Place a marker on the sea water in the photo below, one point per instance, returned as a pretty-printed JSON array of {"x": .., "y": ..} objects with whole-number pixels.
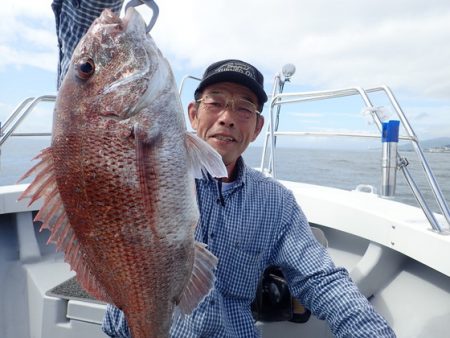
[{"x": 344, "y": 169}]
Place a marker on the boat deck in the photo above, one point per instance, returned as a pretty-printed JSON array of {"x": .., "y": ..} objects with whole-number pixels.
[{"x": 398, "y": 285}]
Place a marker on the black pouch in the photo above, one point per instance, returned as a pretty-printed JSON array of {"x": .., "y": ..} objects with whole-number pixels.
[{"x": 273, "y": 299}]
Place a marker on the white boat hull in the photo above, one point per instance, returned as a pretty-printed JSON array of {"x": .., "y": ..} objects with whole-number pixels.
[{"x": 391, "y": 253}]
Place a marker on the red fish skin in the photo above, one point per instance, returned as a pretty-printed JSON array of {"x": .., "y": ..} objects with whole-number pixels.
[
  {"x": 115, "y": 235},
  {"x": 125, "y": 208}
]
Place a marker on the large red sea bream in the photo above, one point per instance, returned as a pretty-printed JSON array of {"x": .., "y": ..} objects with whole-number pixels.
[{"x": 118, "y": 178}]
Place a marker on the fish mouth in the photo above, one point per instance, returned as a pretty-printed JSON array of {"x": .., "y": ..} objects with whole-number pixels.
[
  {"x": 129, "y": 15},
  {"x": 133, "y": 21}
]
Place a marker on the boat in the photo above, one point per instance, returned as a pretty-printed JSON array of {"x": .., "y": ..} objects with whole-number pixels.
[
  {"x": 443, "y": 149},
  {"x": 397, "y": 254}
]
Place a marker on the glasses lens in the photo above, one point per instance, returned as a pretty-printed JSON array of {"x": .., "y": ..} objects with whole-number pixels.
[
  {"x": 214, "y": 102},
  {"x": 244, "y": 107},
  {"x": 217, "y": 102}
]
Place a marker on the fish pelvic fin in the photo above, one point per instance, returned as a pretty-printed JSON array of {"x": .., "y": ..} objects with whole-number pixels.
[
  {"x": 53, "y": 217},
  {"x": 202, "y": 279},
  {"x": 203, "y": 157}
]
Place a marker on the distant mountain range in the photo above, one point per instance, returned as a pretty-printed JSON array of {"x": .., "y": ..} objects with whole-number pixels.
[{"x": 433, "y": 143}]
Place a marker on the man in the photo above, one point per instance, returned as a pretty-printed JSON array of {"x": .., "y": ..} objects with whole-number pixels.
[
  {"x": 250, "y": 222},
  {"x": 247, "y": 220}
]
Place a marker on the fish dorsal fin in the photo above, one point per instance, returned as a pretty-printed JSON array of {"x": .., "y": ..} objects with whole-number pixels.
[
  {"x": 54, "y": 218},
  {"x": 203, "y": 157},
  {"x": 202, "y": 279}
]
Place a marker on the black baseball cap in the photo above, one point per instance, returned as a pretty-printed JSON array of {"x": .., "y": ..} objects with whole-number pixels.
[{"x": 236, "y": 71}]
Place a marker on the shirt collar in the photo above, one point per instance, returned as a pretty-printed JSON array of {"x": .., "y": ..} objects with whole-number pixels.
[{"x": 240, "y": 170}]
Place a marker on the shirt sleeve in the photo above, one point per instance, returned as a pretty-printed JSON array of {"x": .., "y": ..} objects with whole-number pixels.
[
  {"x": 326, "y": 290},
  {"x": 73, "y": 18},
  {"x": 114, "y": 323}
]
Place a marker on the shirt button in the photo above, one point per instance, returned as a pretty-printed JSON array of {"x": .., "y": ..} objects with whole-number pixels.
[
  {"x": 76, "y": 3},
  {"x": 212, "y": 302},
  {"x": 212, "y": 235}
]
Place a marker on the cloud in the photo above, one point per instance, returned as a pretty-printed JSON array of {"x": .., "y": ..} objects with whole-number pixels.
[
  {"x": 4, "y": 108},
  {"x": 27, "y": 35},
  {"x": 19, "y": 58},
  {"x": 36, "y": 9},
  {"x": 333, "y": 44},
  {"x": 430, "y": 121},
  {"x": 315, "y": 115},
  {"x": 420, "y": 116}
]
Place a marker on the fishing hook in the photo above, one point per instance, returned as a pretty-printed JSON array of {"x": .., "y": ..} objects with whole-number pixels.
[{"x": 150, "y": 3}]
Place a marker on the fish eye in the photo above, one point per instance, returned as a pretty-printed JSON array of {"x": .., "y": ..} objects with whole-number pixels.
[{"x": 85, "y": 69}]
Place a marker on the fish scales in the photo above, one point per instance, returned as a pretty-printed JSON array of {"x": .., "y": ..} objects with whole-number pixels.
[
  {"x": 117, "y": 180},
  {"x": 112, "y": 233}
]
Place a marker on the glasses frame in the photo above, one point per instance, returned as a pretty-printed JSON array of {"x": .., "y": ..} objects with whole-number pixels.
[{"x": 229, "y": 103}]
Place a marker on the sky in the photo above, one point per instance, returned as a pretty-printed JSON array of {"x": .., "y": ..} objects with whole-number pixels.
[{"x": 333, "y": 44}]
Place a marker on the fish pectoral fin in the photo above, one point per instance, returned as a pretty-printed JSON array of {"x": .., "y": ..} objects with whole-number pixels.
[
  {"x": 202, "y": 279},
  {"x": 203, "y": 157}
]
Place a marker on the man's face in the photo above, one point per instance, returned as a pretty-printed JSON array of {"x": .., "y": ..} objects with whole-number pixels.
[{"x": 226, "y": 131}]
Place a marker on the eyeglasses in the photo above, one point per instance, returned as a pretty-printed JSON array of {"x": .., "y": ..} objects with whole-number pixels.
[{"x": 217, "y": 102}]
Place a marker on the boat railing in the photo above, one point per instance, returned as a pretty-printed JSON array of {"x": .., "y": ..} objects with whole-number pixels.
[
  {"x": 279, "y": 99},
  {"x": 18, "y": 115},
  {"x": 183, "y": 81}
]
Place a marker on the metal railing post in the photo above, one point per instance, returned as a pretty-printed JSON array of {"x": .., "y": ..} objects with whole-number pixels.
[{"x": 281, "y": 99}]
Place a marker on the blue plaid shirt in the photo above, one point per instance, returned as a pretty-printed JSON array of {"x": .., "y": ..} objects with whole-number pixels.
[{"x": 258, "y": 223}]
